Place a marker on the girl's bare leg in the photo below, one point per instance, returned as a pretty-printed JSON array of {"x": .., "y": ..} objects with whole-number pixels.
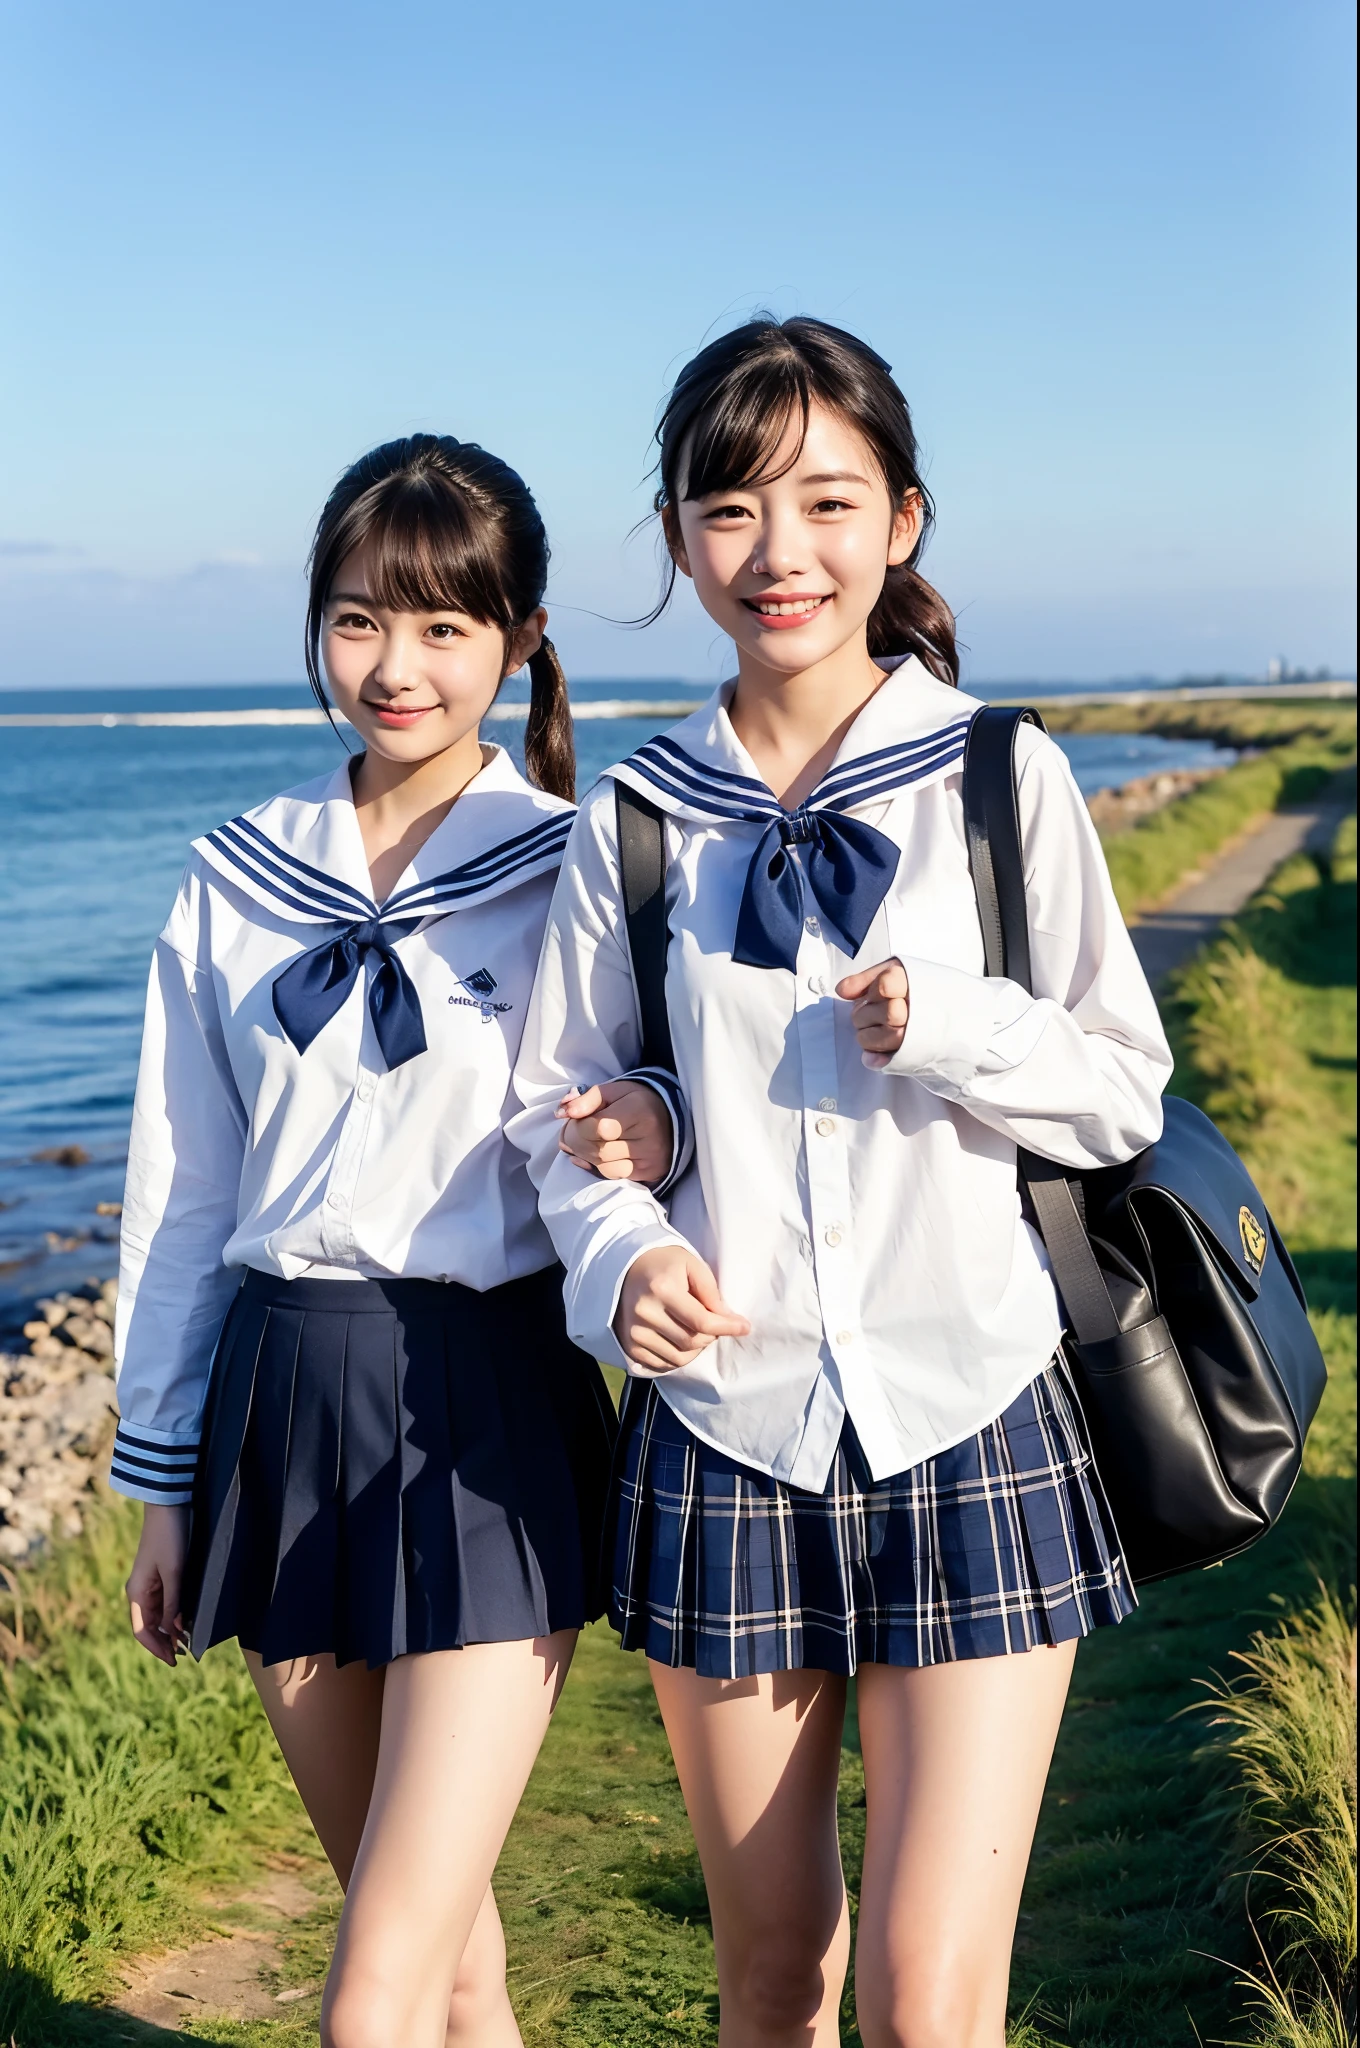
[
  {"x": 955, "y": 1758},
  {"x": 460, "y": 1731},
  {"x": 758, "y": 1761},
  {"x": 327, "y": 1721}
]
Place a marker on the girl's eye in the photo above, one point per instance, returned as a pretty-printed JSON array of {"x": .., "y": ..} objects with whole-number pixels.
[
  {"x": 833, "y": 505},
  {"x": 729, "y": 512},
  {"x": 354, "y": 622},
  {"x": 442, "y": 632}
]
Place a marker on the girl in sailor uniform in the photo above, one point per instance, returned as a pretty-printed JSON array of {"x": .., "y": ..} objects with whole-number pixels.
[
  {"x": 367, "y": 1447},
  {"x": 847, "y": 1445}
]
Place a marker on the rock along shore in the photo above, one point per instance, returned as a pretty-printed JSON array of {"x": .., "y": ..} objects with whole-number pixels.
[
  {"x": 57, "y": 1410},
  {"x": 1114, "y": 810}
]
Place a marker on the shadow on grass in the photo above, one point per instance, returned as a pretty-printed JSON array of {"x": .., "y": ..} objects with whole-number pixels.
[
  {"x": 673, "y": 1885},
  {"x": 1314, "y": 942},
  {"x": 1303, "y": 783},
  {"x": 31, "y": 2017},
  {"x": 1328, "y": 1278}
]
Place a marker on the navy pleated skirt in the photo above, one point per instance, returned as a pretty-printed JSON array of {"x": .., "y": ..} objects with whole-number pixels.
[
  {"x": 1000, "y": 1544},
  {"x": 396, "y": 1466}
]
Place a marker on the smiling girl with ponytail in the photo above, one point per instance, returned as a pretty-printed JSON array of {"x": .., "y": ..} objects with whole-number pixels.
[
  {"x": 848, "y": 1443},
  {"x": 441, "y": 516},
  {"x": 365, "y": 1445}
]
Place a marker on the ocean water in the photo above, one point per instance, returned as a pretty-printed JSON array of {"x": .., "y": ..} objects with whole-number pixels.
[{"x": 94, "y": 825}]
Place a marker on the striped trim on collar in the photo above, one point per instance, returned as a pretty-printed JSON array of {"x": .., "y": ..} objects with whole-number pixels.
[
  {"x": 703, "y": 790},
  {"x": 541, "y": 845},
  {"x": 278, "y": 871},
  {"x": 283, "y": 881}
]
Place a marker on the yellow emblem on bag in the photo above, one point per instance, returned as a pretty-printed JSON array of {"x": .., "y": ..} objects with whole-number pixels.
[{"x": 1254, "y": 1239}]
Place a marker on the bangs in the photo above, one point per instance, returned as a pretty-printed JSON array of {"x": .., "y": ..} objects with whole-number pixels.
[
  {"x": 732, "y": 439},
  {"x": 427, "y": 548},
  {"x": 444, "y": 525}
]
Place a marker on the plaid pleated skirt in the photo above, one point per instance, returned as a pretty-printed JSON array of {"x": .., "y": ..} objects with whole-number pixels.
[
  {"x": 1000, "y": 1544},
  {"x": 397, "y": 1466}
]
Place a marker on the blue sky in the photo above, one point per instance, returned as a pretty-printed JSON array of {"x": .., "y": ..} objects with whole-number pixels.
[{"x": 1105, "y": 247}]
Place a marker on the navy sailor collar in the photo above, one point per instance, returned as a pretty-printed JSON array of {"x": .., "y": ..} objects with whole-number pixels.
[
  {"x": 301, "y": 856},
  {"x": 911, "y": 732}
]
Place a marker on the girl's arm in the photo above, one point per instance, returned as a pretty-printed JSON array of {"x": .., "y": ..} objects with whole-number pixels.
[
  {"x": 1074, "y": 1072},
  {"x": 185, "y": 1157},
  {"x": 582, "y": 1029}
]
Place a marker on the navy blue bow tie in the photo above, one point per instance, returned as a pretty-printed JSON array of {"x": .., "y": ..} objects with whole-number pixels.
[
  {"x": 848, "y": 866},
  {"x": 308, "y": 994}
]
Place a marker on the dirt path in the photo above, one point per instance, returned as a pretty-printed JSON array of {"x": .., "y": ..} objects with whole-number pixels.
[
  {"x": 235, "y": 1973},
  {"x": 1165, "y": 939}
]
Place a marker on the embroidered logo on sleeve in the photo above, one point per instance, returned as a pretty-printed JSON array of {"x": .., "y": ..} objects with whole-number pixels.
[{"x": 483, "y": 985}]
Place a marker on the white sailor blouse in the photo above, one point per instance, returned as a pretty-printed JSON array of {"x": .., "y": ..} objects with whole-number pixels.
[
  {"x": 865, "y": 1220},
  {"x": 323, "y": 1082}
]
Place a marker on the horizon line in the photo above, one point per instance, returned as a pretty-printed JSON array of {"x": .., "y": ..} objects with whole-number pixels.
[{"x": 1185, "y": 679}]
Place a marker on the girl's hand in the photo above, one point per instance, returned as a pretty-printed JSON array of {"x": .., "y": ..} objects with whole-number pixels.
[
  {"x": 631, "y": 1142},
  {"x": 882, "y": 1000},
  {"x": 670, "y": 1310},
  {"x": 154, "y": 1582}
]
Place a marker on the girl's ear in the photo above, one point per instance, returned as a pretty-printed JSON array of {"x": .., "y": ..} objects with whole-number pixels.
[
  {"x": 670, "y": 527},
  {"x": 526, "y": 640},
  {"x": 906, "y": 530}
]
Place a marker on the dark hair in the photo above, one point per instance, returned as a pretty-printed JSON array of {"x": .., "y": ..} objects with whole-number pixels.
[
  {"x": 728, "y": 412},
  {"x": 448, "y": 527}
]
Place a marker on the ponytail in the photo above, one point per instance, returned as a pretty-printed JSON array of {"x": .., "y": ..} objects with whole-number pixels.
[
  {"x": 549, "y": 740},
  {"x": 912, "y": 618}
]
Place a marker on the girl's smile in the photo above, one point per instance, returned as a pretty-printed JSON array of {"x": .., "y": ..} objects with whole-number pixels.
[
  {"x": 777, "y": 612},
  {"x": 399, "y": 717}
]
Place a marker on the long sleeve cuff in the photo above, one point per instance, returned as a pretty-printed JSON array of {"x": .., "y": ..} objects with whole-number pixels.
[
  {"x": 664, "y": 1083},
  {"x": 153, "y": 1465},
  {"x": 595, "y": 1284},
  {"x": 961, "y": 1025}
]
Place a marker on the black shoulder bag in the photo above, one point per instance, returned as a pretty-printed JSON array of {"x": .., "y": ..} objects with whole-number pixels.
[
  {"x": 1195, "y": 1364},
  {"x": 1188, "y": 1334}
]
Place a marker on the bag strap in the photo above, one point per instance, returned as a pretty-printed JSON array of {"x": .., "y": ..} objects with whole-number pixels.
[
  {"x": 991, "y": 811},
  {"x": 642, "y": 870},
  {"x": 991, "y": 814}
]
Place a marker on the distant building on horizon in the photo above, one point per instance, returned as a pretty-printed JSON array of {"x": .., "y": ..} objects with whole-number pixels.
[{"x": 1280, "y": 670}]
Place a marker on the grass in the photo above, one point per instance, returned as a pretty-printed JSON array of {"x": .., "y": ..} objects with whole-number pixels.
[
  {"x": 1124, "y": 1916},
  {"x": 1150, "y": 860},
  {"x": 127, "y": 1795},
  {"x": 1264, "y": 1023},
  {"x": 1290, "y": 1735},
  {"x": 1297, "y": 750},
  {"x": 1230, "y": 722},
  {"x": 137, "y": 1803}
]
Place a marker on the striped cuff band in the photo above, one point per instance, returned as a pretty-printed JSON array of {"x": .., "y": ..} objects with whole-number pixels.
[
  {"x": 150, "y": 1471},
  {"x": 682, "y": 1135}
]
